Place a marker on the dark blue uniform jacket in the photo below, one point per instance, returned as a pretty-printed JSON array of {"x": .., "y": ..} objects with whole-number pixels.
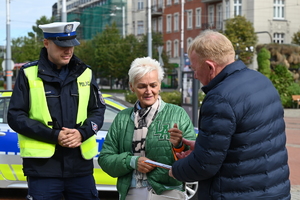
[
  {"x": 62, "y": 99},
  {"x": 240, "y": 150}
]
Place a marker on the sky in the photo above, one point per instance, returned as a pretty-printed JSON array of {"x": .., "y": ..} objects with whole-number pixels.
[{"x": 23, "y": 15}]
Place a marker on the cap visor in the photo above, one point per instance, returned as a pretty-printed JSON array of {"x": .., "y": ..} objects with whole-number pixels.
[{"x": 66, "y": 43}]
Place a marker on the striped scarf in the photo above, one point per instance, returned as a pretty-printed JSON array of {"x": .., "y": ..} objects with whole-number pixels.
[{"x": 142, "y": 119}]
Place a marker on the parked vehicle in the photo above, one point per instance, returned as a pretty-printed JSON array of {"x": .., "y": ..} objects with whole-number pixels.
[{"x": 11, "y": 174}]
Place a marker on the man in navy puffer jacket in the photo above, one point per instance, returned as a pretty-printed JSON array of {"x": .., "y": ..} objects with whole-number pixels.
[{"x": 240, "y": 151}]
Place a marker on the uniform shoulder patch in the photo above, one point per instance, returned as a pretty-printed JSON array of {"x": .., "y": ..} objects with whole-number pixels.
[
  {"x": 94, "y": 126},
  {"x": 33, "y": 63}
]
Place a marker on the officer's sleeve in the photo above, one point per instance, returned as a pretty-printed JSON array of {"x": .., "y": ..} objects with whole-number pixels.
[{"x": 18, "y": 117}]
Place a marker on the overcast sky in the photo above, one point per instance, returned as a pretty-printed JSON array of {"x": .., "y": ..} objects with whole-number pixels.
[{"x": 23, "y": 15}]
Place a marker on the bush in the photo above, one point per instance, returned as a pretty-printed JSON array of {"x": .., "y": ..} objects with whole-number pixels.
[
  {"x": 130, "y": 97},
  {"x": 173, "y": 97}
]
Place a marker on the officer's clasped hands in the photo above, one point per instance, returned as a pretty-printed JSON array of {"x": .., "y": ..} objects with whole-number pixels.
[{"x": 70, "y": 138}]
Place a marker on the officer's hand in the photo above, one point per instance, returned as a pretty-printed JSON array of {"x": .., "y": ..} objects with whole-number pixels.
[
  {"x": 143, "y": 167},
  {"x": 62, "y": 136},
  {"x": 72, "y": 139}
]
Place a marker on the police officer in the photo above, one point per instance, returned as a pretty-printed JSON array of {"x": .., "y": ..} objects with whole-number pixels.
[{"x": 56, "y": 108}]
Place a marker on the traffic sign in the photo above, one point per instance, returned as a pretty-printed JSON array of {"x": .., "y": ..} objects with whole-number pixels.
[{"x": 12, "y": 64}]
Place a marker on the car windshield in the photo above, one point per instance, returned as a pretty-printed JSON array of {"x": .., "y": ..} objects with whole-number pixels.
[{"x": 109, "y": 116}]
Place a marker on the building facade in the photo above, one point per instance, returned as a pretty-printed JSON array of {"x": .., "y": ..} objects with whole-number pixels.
[{"x": 180, "y": 21}]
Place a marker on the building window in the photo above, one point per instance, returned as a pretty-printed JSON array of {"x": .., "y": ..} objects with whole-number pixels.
[
  {"x": 176, "y": 22},
  {"x": 278, "y": 9},
  {"x": 169, "y": 2},
  {"x": 169, "y": 23},
  {"x": 227, "y": 9},
  {"x": 140, "y": 4},
  {"x": 154, "y": 25},
  {"x": 278, "y": 38},
  {"x": 176, "y": 49},
  {"x": 176, "y": 1},
  {"x": 219, "y": 22},
  {"x": 198, "y": 17},
  {"x": 211, "y": 16},
  {"x": 189, "y": 42},
  {"x": 140, "y": 27},
  {"x": 160, "y": 25},
  {"x": 160, "y": 3},
  {"x": 190, "y": 19},
  {"x": 237, "y": 7},
  {"x": 169, "y": 49}
]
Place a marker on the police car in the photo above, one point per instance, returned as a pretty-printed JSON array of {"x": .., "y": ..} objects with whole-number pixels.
[{"x": 11, "y": 174}]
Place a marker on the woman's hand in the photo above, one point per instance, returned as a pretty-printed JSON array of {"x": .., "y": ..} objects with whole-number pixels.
[
  {"x": 175, "y": 135},
  {"x": 144, "y": 167}
]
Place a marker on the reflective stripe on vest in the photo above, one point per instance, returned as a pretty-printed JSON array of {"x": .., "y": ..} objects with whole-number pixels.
[{"x": 30, "y": 148}]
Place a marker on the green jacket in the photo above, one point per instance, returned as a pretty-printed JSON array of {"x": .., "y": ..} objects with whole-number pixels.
[{"x": 116, "y": 152}]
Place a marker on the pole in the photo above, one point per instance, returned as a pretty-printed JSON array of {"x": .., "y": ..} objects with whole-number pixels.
[
  {"x": 123, "y": 20},
  {"x": 195, "y": 102},
  {"x": 64, "y": 11},
  {"x": 181, "y": 66},
  {"x": 8, "y": 49},
  {"x": 149, "y": 30}
]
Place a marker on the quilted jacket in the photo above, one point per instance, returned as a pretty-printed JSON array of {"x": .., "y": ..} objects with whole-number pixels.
[{"x": 240, "y": 150}]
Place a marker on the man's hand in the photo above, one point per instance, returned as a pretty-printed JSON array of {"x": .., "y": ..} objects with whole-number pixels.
[
  {"x": 144, "y": 167},
  {"x": 70, "y": 138},
  {"x": 175, "y": 135},
  {"x": 171, "y": 173},
  {"x": 184, "y": 154}
]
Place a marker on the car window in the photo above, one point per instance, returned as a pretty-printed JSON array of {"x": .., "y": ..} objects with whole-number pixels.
[
  {"x": 4, "y": 102},
  {"x": 109, "y": 116}
]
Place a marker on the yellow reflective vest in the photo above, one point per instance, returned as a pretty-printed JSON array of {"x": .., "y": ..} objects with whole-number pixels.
[{"x": 31, "y": 148}]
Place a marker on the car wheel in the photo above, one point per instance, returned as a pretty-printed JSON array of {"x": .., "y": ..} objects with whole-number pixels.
[{"x": 192, "y": 190}]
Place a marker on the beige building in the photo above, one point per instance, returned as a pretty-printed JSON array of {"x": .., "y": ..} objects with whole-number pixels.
[{"x": 273, "y": 20}]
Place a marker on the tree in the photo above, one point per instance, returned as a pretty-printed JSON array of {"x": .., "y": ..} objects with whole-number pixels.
[
  {"x": 241, "y": 33},
  {"x": 157, "y": 41},
  {"x": 28, "y": 48},
  {"x": 263, "y": 60},
  {"x": 37, "y": 32},
  {"x": 282, "y": 80},
  {"x": 296, "y": 38}
]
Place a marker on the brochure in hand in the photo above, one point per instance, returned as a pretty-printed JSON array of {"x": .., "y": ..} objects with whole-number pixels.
[{"x": 157, "y": 164}]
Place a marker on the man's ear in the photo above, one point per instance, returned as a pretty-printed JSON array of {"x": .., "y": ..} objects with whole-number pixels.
[
  {"x": 212, "y": 66},
  {"x": 46, "y": 43}
]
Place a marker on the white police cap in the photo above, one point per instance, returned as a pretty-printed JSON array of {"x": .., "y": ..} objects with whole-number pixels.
[{"x": 61, "y": 33}]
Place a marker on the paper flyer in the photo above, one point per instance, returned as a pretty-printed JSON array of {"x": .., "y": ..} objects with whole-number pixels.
[{"x": 157, "y": 164}]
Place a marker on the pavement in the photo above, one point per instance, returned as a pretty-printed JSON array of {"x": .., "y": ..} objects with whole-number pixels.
[{"x": 292, "y": 120}]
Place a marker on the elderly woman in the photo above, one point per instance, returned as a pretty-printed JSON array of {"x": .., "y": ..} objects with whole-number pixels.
[{"x": 151, "y": 130}]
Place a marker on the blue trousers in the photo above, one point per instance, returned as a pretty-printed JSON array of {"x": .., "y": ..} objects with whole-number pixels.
[{"x": 76, "y": 188}]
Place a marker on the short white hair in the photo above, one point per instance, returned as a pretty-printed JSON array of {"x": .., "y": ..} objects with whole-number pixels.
[{"x": 141, "y": 66}]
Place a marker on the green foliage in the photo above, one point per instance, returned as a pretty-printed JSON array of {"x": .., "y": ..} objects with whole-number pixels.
[
  {"x": 173, "y": 97},
  {"x": 110, "y": 53},
  {"x": 283, "y": 81},
  {"x": 263, "y": 60},
  {"x": 130, "y": 97},
  {"x": 241, "y": 31},
  {"x": 25, "y": 49},
  {"x": 296, "y": 38},
  {"x": 28, "y": 48}
]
